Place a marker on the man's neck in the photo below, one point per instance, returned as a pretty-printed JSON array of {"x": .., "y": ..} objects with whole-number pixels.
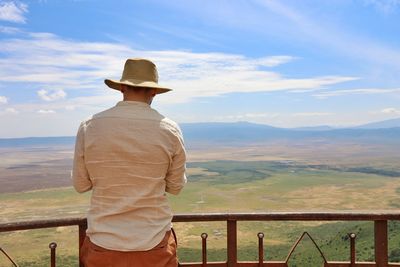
[{"x": 135, "y": 98}]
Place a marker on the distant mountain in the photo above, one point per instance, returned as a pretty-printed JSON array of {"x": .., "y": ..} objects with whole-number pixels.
[
  {"x": 381, "y": 124},
  {"x": 37, "y": 141},
  {"x": 315, "y": 128},
  {"x": 245, "y": 132},
  {"x": 241, "y": 133}
]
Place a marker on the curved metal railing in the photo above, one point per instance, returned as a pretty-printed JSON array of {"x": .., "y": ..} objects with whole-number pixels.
[{"x": 380, "y": 219}]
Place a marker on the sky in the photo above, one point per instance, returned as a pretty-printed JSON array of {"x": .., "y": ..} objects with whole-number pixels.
[{"x": 284, "y": 63}]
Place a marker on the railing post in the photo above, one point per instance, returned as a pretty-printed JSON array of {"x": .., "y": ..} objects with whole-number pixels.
[
  {"x": 204, "y": 249},
  {"x": 82, "y": 235},
  {"x": 260, "y": 249},
  {"x": 53, "y": 247},
  {"x": 352, "y": 249},
  {"x": 381, "y": 243},
  {"x": 232, "y": 242}
]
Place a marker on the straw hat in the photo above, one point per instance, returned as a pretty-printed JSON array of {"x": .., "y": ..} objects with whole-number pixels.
[{"x": 138, "y": 72}]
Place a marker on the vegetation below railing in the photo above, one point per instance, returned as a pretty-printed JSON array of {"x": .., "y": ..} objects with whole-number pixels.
[{"x": 332, "y": 238}]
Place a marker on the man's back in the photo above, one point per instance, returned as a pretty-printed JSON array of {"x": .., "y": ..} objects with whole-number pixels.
[{"x": 130, "y": 155}]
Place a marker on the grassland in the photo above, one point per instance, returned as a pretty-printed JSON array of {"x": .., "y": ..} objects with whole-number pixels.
[{"x": 232, "y": 186}]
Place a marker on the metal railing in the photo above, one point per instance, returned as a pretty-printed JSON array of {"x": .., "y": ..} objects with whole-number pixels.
[{"x": 380, "y": 220}]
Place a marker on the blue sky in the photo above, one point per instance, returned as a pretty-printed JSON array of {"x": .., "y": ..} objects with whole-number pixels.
[{"x": 283, "y": 63}]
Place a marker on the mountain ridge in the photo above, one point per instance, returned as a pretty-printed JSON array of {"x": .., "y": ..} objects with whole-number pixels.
[{"x": 240, "y": 132}]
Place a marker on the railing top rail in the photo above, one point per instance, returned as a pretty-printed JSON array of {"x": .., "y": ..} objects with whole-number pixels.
[
  {"x": 293, "y": 216},
  {"x": 255, "y": 216}
]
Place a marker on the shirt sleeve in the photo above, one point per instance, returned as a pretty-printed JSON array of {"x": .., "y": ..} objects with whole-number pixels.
[
  {"x": 176, "y": 176},
  {"x": 79, "y": 174}
]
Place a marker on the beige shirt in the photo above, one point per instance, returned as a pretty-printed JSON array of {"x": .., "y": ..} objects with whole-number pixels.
[{"x": 129, "y": 155}]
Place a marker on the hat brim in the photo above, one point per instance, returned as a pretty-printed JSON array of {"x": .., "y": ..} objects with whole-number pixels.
[{"x": 114, "y": 84}]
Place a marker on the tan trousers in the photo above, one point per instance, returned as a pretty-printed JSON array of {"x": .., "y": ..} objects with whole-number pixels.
[{"x": 162, "y": 255}]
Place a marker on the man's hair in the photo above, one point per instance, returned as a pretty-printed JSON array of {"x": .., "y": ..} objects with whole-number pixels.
[{"x": 137, "y": 89}]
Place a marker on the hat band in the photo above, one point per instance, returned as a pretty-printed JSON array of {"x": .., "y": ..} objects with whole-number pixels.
[{"x": 136, "y": 81}]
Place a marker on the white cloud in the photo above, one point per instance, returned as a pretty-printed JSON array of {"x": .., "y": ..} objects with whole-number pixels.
[
  {"x": 52, "y": 62},
  {"x": 9, "y": 30},
  {"x": 69, "y": 107},
  {"x": 85, "y": 104},
  {"x": 272, "y": 115},
  {"x": 394, "y": 111},
  {"x": 320, "y": 30},
  {"x": 51, "y": 96},
  {"x": 3, "y": 100},
  {"x": 13, "y": 11},
  {"x": 245, "y": 116},
  {"x": 312, "y": 114},
  {"x": 358, "y": 91},
  {"x": 8, "y": 111},
  {"x": 274, "y": 61},
  {"x": 386, "y": 6},
  {"x": 45, "y": 111}
]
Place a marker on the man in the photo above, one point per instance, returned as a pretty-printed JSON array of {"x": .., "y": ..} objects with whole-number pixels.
[{"x": 129, "y": 156}]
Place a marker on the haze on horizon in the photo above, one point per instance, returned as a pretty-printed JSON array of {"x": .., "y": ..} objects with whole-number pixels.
[{"x": 282, "y": 63}]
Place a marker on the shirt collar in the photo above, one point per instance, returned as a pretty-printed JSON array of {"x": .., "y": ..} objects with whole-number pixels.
[{"x": 132, "y": 103}]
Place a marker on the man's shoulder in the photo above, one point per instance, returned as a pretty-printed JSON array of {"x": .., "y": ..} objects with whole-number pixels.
[
  {"x": 103, "y": 113},
  {"x": 97, "y": 115},
  {"x": 171, "y": 124},
  {"x": 164, "y": 121},
  {"x": 83, "y": 124}
]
